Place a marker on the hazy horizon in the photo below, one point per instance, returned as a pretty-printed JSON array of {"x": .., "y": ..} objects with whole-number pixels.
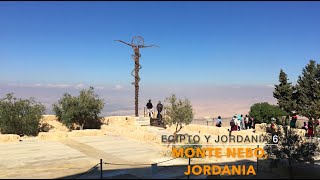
[{"x": 207, "y": 100}]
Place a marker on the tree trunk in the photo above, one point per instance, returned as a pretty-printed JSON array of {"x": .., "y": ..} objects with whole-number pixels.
[
  {"x": 315, "y": 127},
  {"x": 81, "y": 126},
  {"x": 176, "y": 132},
  {"x": 137, "y": 79}
]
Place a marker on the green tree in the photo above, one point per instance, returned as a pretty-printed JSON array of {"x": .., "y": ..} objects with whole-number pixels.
[
  {"x": 82, "y": 110},
  {"x": 20, "y": 116},
  {"x": 284, "y": 93},
  {"x": 263, "y": 112},
  {"x": 292, "y": 147},
  {"x": 308, "y": 92},
  {"x": 178, "y": 112}
]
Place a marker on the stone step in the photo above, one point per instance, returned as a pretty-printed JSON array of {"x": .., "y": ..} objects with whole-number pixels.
[{"x": 143, "y": 121}]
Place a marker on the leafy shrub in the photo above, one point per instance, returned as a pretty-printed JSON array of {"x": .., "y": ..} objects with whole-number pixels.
[
  {"x": 45, "y": 127},
  {"x": 292, "y": 147},
  {"x": 178, "y": 112},
  {"x": 82, "y": 110},
  {"x": 20, "y": 116}
]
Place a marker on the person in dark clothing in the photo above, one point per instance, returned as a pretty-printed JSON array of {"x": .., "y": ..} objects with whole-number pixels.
[
  {"x": 250, "y": 122},
  {"x": 293, "y": 121},
  {"x": 310, "y": 128},
  {"x": 159, "y": 109},
  {"x": 305, "y": 126},
  {"x": 253, "y": 124},
  {"x": 149, "y": 108},
  {"x": 273, "y": 126},
  {"x": 233, "y": 126},
  {"x": 246, "y": 122},
  {"x": 219, "y": 122}
]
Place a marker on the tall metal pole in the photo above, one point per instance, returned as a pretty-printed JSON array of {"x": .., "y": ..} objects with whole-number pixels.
[{"x": 136, "y": 81}]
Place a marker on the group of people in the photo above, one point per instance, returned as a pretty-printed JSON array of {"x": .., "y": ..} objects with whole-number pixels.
[
  {"x": 150, "y": 109},
  {"x": 308, "y": 126},
  {"x": 238, "y": 122}
]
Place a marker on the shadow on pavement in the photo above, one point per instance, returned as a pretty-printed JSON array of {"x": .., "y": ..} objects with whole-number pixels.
[{"x": 265, "y": 170}]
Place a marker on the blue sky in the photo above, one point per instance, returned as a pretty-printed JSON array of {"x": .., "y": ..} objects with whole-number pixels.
[{"x": 211, "y": 43}]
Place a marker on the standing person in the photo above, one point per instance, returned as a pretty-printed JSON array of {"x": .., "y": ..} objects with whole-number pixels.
[
  {"x": 305, "y": 126},
  {"x": 253, "y": 123},
  {"x": 293, "y": 121},
  {"x": 219, "y": 122},
  {"x": 246, "y": 122},
  {"x": 250, "y": 122},
  {"x": 310, "y": 128},
  {"x": 159, "y": 109},
  {"x": 149, "y": 108},
  {"x": 237, "y": 121},
  {"x": 233, "y": 125},
  {"x": 273, "y": 126},
  {"x": 242, "y": 122}
]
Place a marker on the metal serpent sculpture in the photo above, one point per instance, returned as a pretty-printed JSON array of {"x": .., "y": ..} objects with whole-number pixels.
[
  {"x": 137, "y": 67},
  {"x": 137, "y": 42}
]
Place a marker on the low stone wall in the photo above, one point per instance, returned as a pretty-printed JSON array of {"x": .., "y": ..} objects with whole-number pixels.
[
  {"x": 263, "y": 126},
  {"x": 58, "y": 135},
  {"x": 209, "y": 130},
  {"x": 9, "y": 138},
  {"x": 86, "y": 132},
  {"x": 136, "y": 132},
  {"x": 119, "y": 120},
  {"x": 49, "y": 117},
  {"x": 52, "y": 135}
]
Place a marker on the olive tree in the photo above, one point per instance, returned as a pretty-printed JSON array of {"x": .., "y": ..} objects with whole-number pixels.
[
  {"x": 178, "y": 112},
  {"x": 20, "y": 116},
  {"x": 82, "y": 110}
]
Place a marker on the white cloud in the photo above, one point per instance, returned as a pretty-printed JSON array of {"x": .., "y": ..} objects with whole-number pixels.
[
  {"x": 118, "y": 87},
  {"x": 58, "y": 85},
  {"x": 99, "y": 87},
  {"x": 79, "y": 86}
]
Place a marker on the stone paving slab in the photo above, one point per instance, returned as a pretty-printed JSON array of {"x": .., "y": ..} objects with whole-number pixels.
[
  {"x": 58, "y": 159},
  {"x": 40, "y": 159}
]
